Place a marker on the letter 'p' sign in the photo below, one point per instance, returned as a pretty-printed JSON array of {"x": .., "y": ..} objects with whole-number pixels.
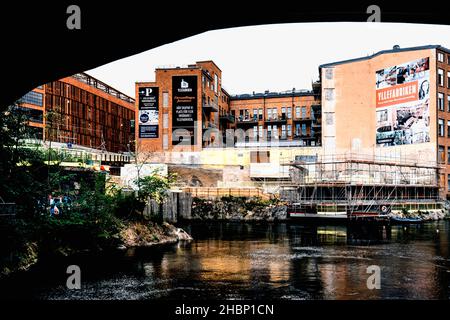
[
  {"x": 374, "y": 280},
  {"x": 74, "y": 280}
]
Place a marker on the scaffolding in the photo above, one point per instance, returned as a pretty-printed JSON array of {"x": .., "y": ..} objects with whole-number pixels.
[{"x": 357, "y": 183}]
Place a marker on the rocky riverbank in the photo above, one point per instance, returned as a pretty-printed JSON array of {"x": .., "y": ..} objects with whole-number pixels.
[
  {"x": 238, "y": 209},
  {"x": 428, "y": 215},
  {"x": 131, "y": 234},
  {"x": 138, "y": 234}
]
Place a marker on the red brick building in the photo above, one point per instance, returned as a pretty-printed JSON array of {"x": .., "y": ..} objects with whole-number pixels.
[{"x": 83, "y": 111}]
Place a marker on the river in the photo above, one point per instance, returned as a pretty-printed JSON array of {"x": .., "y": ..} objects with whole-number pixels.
[{"x": 230, "y": 260}]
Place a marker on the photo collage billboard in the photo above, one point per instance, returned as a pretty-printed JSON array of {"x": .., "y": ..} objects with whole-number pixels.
[{"x": 402, "y": 104}]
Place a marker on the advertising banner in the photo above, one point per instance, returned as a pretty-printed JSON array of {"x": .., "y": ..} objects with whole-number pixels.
[
  {"x": 184, "y": 109},
  {"x": 148, "y": 112},
  {"x": 402, "y": 104}
]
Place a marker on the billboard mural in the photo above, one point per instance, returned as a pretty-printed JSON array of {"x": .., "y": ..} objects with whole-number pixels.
[
  {"x": 184, "y": 109},
  {"x": 402, "y": 104},
  {"x": 148, "y": 112}
]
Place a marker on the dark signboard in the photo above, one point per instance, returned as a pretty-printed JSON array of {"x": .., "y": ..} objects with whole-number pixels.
[
  {"x": 148, "y": 112},
  {"x": 184, "y": 109}
]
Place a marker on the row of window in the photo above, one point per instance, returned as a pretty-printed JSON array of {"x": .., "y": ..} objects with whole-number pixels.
[
  {"x": 34, "y": 98},
  {"x": 285, "y": 130},
  {"x": 272, "y": 113}
]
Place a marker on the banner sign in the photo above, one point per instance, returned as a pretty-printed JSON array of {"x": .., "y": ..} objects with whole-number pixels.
[
  {"x": 402, "y": 104},
  {"x": 184, "y": 109},
  {"x": 148, "y": 112}
]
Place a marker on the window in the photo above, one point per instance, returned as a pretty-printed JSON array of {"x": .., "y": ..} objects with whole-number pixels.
[
  {"x": 260, "y": 114},
  {"x": 303, "y": 129},
  {"x": 259, "y": 156},
  {"x": 274, "y": 114},
  {"x": 441, "y": 127},
  {"x": 329, "y": 118},
  {"x": 448, "y": 182},
  {"x": 165, "y": 99},
  {"x": 283, "y": 113},
  {"x": 448, "y": 79},
  {"x": 441, "y": 154},
  {"x": 448, "y": 155},
  {"x": 269, "y": 114},
  {"x": 303, "y": 112},
  {"x": 297, "y": 129},
  {"x": 260, "y": 131},
  {"x": 283, "y": 131},
  {"x": 255, "y": 114},
  {"x": 275, "y": 131},
  {"x": 297, "y": 112},
  {"x": 448, "y": 103},
  {"x": 216, "y": 83},
  {"x": 269, "y": 132},
  {"x": 441, "y": 101},
  {"x": 448, "y": 128},
  {"x": 289, "y": 130},
  {"x": 289, "y": 112},
  {"x": 440, "y": 57},
  {"x": 441, "y": 77},
  {"x": 329, "y": 73},
  {"x": 329, "y": 94},
  {"x": 255, "y": 132},
  {"x": 165, "y": 141},
  {"x": 165, "y": 120},
  {"x": 32, "y": 98}
]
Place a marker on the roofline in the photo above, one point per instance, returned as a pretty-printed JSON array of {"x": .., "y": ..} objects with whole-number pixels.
[
  {"x": 225, "y": 91},
  {"x": 209, "y": 61},
  {"x": 327, "y": 65},
  {"x": 178, "y": 68},
  {"x": 271, "y": 95},
  {"x": 120, "y": 93}
]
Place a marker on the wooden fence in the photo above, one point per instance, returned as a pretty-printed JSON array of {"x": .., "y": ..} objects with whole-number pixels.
[{"x": 213, "y": 193}]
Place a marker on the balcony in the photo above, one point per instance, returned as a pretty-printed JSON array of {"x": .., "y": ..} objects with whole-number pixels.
[
  {"x": 247, "y": 120},
  {"x": 276, "y": 119},
  {"x": 227, "y": 118},
  {"x": 210, "y": 107},
  {"x": 303, "y": 119}
]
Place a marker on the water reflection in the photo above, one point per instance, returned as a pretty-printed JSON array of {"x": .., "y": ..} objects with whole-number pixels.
[{"x": 275, "y": 261}]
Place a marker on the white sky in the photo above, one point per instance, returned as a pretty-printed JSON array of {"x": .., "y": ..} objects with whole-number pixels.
[{"x": 274, "y": 57}]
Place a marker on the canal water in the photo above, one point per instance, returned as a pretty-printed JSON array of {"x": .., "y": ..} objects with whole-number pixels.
[{"x": 284, "y": 261}]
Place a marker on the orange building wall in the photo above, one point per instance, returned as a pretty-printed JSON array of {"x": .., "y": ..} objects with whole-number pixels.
[{"x": 354, "y": 105}]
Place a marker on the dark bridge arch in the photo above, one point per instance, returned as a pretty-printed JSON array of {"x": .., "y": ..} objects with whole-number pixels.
[{"x": 37, "y": 47}]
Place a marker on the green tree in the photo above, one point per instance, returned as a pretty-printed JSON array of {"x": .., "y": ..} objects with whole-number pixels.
[
  {"x": 21, "y": 166},
  {"x": 155, "y": 186}
]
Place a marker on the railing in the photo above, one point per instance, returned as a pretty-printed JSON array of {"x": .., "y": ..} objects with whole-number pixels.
[
  {"x": 227, "y": 117},
  {"x": 91, "y": 81},
  {"x": 217, "y": 192},
  {"x": 248, "y": 119},
  {"x": 212, "y": 106}
]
